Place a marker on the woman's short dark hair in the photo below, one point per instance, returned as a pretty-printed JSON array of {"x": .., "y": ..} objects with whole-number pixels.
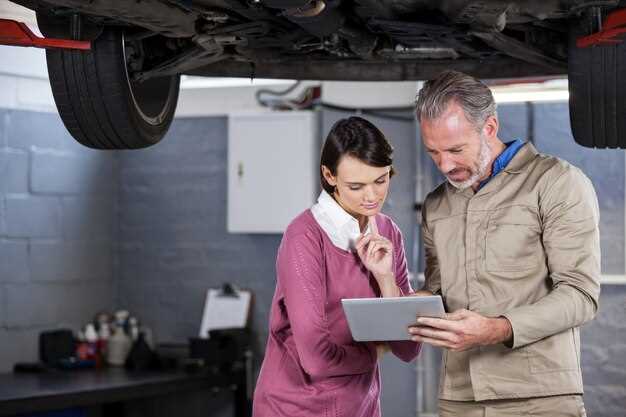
[{"x": 356, "y": 137}]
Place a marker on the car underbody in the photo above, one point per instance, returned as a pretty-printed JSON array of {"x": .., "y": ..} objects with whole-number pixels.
[
  {"x": 334, "y": 39},
  {"x": 122, "y": 93}
]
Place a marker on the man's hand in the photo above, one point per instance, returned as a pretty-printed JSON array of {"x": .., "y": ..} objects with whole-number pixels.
[{"x": 461, "y": 330}]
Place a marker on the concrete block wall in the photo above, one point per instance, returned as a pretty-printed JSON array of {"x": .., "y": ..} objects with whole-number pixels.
[
  {"x": 172, "y": 233},
  {"x": 57, "y": 231},
  {"x": 173, "y": 239},
  {"x": 603, "y": 351}
]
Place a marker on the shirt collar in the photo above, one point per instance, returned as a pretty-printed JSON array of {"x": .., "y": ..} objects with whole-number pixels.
[
  {"x": 503, "y": 159},
  {"x": 341, "y": 227},
  {"x": 526, "y": 154}
]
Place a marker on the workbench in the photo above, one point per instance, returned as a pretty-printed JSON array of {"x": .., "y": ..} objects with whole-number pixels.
[{"x": 116, "y": 392}]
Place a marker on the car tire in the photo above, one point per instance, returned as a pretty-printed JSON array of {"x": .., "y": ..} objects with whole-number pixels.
[
  {"x": 597, "y": 95},
  {"x": 99, "y": 104}
]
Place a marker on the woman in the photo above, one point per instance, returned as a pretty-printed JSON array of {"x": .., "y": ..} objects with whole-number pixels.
[{"x": 341, "y": 248}]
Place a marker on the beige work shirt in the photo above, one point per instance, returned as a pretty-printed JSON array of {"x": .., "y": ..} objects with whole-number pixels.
[{"x": 526, "y": 247}]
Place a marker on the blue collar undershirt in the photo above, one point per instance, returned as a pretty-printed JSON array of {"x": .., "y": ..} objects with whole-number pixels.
[{"x": 503, "y": 159}]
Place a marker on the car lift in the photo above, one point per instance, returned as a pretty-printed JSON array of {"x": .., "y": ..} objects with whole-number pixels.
[
  {"x": 613, "y": 26},
  {"x": 18, "y": 34}
]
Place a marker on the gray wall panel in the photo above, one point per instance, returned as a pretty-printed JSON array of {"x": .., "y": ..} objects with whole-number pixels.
[
  {"x": 603, "y": 352},
  {"x": 13, "y": 170},
  {"x": 174, "y": 243},
  {"x": 14, "y": 265},
  {"x": 172, "y": 220},
  {"x": 514, "y": 122}
]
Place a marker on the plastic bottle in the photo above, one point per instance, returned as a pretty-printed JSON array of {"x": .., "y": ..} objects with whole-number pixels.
[
  {"x": 133, "y": 324},
  {"x": 92, "y": 340},
  {"x": 103, "y": 340},
  {"x": 82, "y": 347},
  {"x": 118, "y": 346},
  {"x": 121, "y": 318},
  {"x": 105, "y": 331}
]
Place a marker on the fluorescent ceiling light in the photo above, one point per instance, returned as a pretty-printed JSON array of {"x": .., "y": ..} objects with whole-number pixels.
[
  {"x": 549, "y": 90},
  {"x": 191, "y": 82},
  {"x": 530, "y": 96},
  {"x": 553, "y": 90}
]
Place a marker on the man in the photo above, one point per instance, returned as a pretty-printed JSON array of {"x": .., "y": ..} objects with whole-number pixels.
[{"x": 512, "y": 245}]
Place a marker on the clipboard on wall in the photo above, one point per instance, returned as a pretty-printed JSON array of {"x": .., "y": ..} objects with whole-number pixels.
[{"x": 225, "y": 308}]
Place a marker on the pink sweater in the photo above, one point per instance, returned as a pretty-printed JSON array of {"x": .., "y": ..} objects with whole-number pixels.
[{"x": 312, "y": 367}]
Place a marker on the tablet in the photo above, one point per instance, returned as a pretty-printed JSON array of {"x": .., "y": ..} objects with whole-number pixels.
[{"x": 385, "y": 319}]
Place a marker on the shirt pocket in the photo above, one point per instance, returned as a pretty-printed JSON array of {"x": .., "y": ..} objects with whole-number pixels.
[{"x": 513, "y": 241}]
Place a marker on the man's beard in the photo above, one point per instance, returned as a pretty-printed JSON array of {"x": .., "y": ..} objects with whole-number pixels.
[{"x": 481, "y": 167}]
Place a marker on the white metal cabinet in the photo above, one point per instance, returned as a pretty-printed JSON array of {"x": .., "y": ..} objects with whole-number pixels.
[{"x": 272, "y": 169}]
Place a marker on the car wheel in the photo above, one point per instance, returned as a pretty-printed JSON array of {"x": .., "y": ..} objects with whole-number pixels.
[
  {"x": 597, "y": 98},
  {"x": 99, "y": 103}
]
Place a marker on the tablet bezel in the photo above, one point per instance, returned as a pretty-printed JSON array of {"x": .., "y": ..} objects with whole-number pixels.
[{"x": 387, "y": 319}]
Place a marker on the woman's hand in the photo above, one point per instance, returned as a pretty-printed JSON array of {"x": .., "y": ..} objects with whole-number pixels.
[{"x": 376, "y": 253}]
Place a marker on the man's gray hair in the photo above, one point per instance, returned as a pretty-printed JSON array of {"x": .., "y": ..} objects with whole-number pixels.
[{"x": 472, "y": 95}]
